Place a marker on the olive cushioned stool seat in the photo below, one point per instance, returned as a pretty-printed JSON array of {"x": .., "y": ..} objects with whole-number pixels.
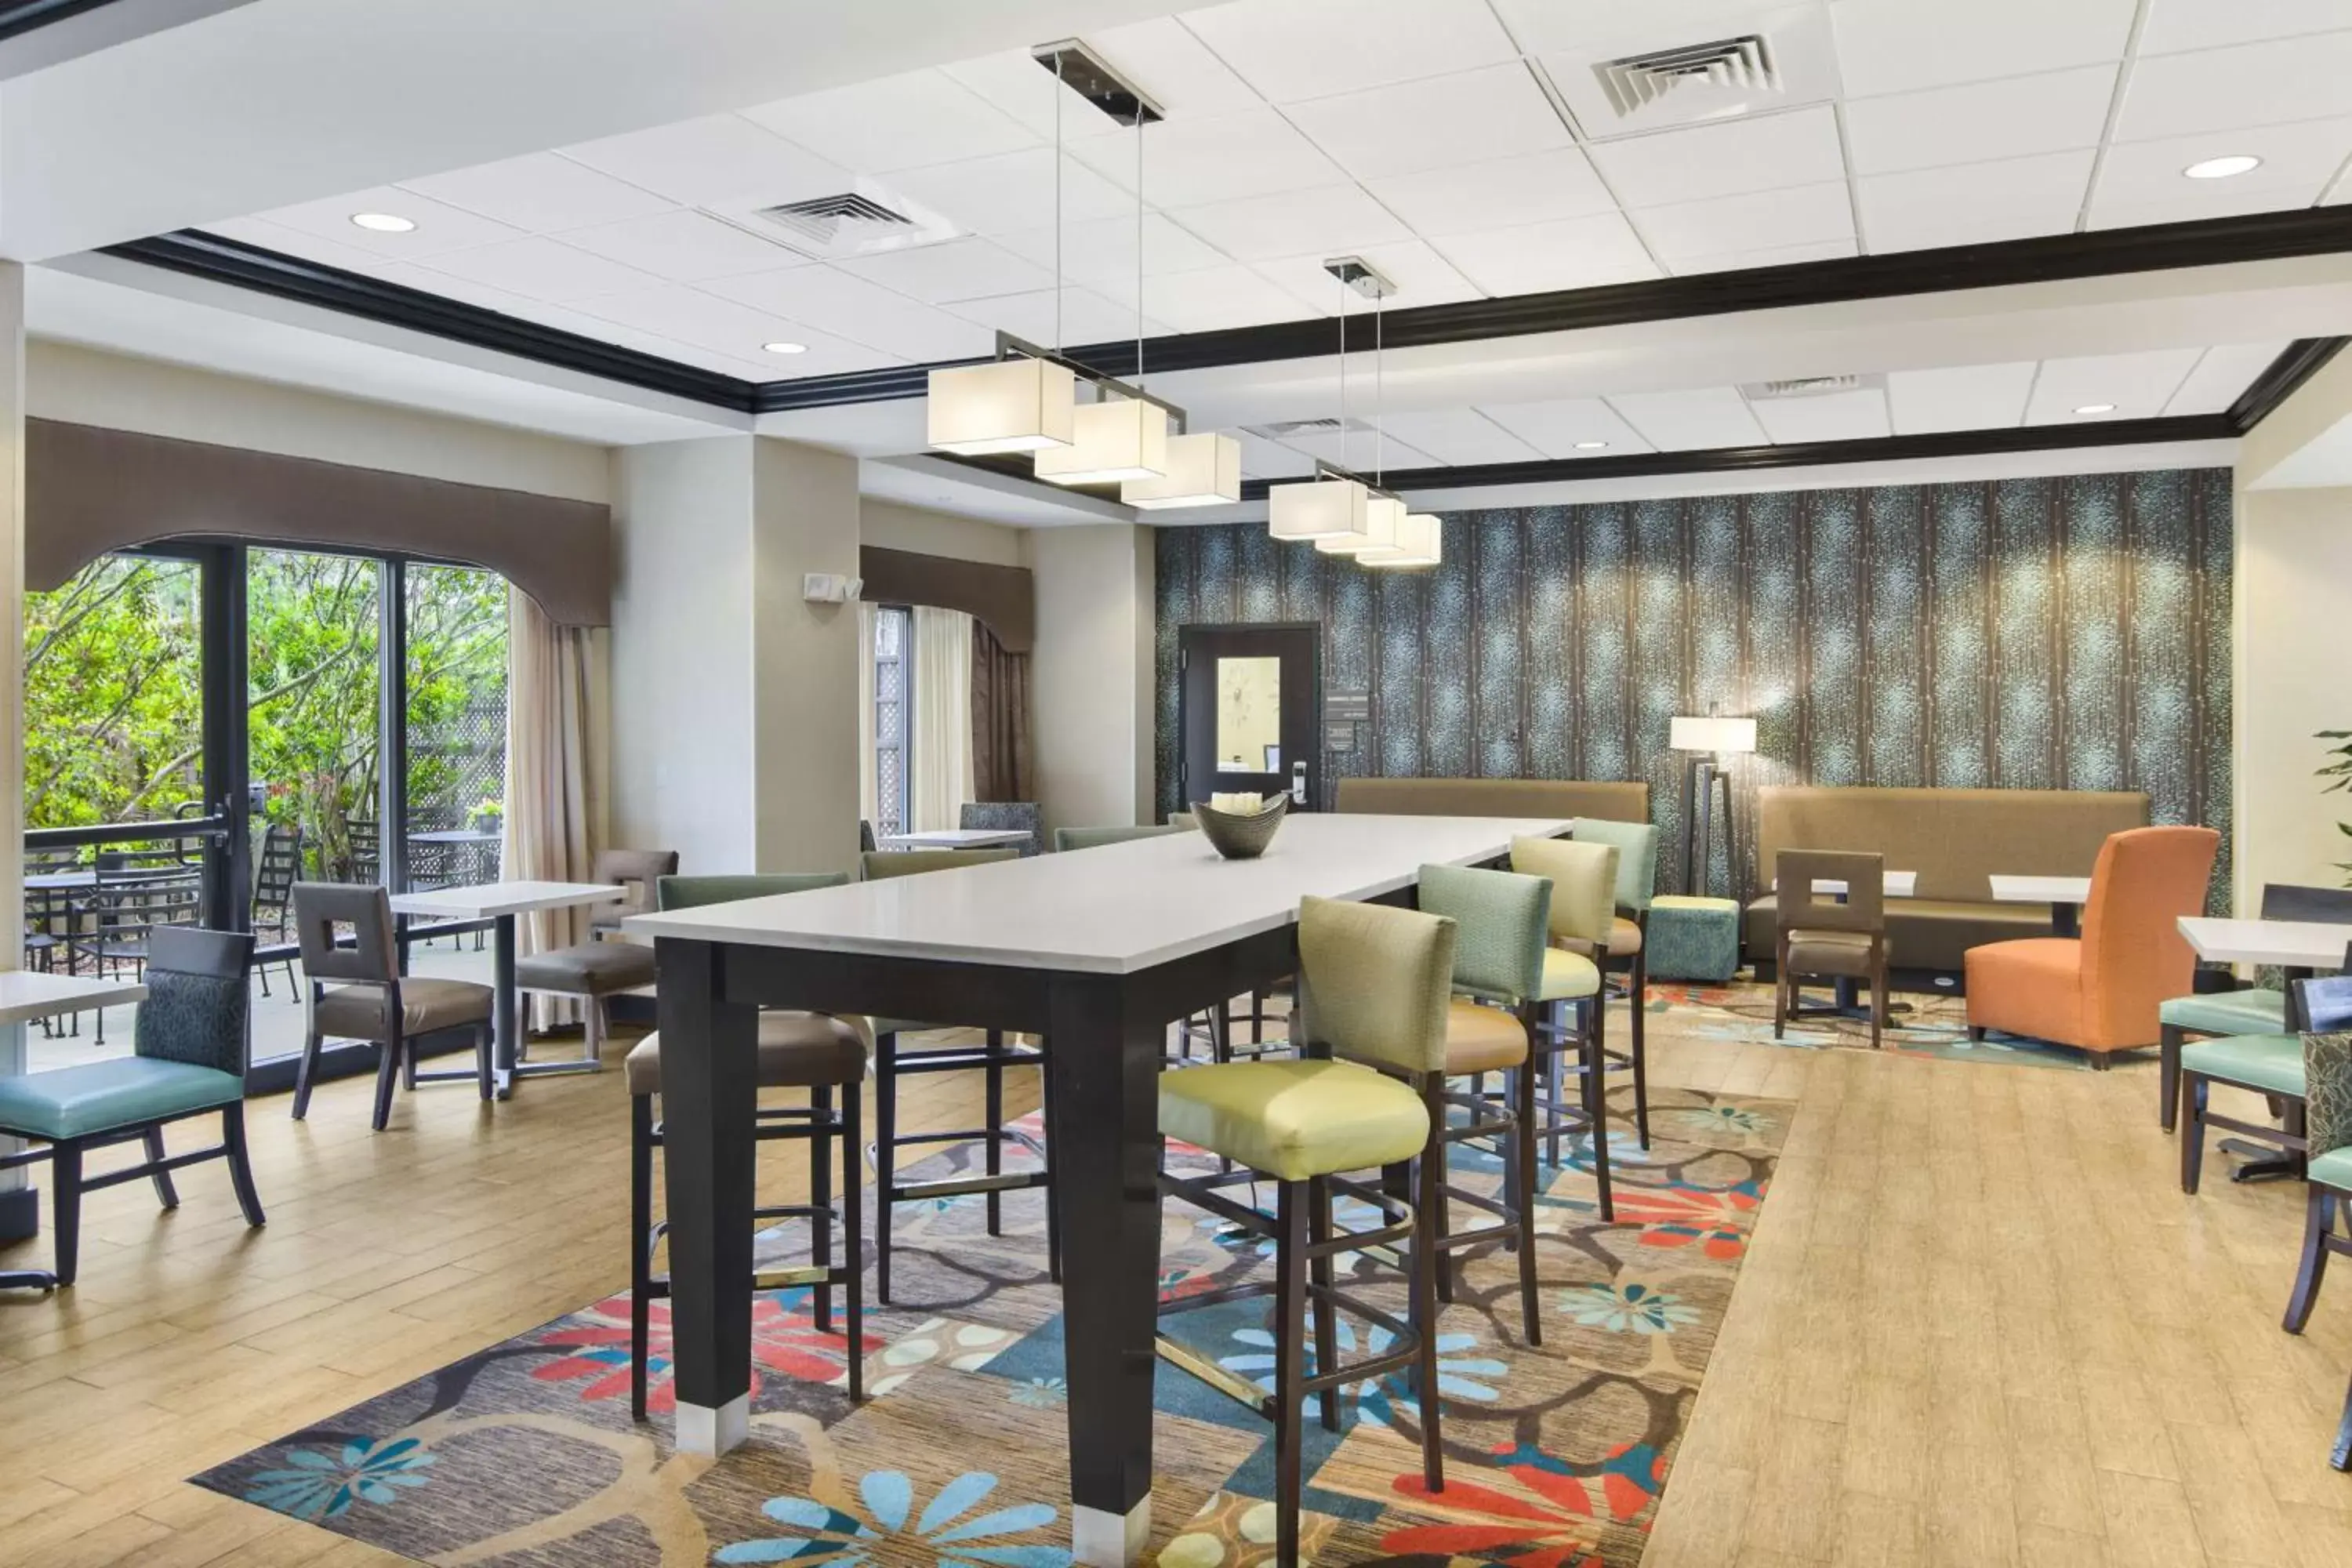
[
  {"x": 1293, "y": 1120},
  {"x": 1693, "y": 938}
]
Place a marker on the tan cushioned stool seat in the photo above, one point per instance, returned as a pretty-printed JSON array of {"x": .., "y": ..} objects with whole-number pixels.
[
  {"x": 356, "y": 1012},
  {"x": 1624, "y": 938},
  {"x": 797, "y": 1051},
  {"x": 1294, "y": 1119},
  {"x": 1482, "y": 1040},
  {"x": 1831, "y": 952},
  {"x": 587, "y": 969}
]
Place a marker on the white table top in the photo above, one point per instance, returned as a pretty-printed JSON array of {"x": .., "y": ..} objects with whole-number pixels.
[
  {"x": 1898, "y": 884},
  {"x": 2041, "y": 890},
  {"x": 455, "y": 836},
  {"x": 485, "y": 898},
  {"x": 2293, "y": 944},
  {"x": 956, "y": 838},
  {"x": 1113, "y": 910},
  {"x": 29, "y": 994}
]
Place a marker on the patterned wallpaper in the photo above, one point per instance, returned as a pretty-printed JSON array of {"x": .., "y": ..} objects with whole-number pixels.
[{"x": 2052, "y": 633}]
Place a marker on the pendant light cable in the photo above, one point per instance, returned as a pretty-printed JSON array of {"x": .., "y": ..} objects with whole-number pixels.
[
  {"x": 1343, "y": 372},
  {"x": 1058, "y": 202},
  {"x": 1139, "y": 245},
  {"x": 1380, "y": 392}
]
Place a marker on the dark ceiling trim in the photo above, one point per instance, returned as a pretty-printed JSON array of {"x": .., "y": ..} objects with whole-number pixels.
[
  {"x": 2301, "y": 361},
  {"x": 19, "y": 17},
  {"x": 287, "y": 277},
  {"x": 1806, "y": 454}
]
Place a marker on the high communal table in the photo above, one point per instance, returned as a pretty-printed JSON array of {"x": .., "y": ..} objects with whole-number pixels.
[
  {"x": 2064, "y": 895},
  {"x": 500, "y": 902},
  {"x": 1097, "y": 952},
  {"x": 25, "y": 996}
]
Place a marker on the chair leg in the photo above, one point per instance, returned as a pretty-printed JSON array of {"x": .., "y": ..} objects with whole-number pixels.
[
  {"x": 1877, "y": 1003},
  {"x": 1641, "y": 982},
  {"x": 2102, "y": 1060},
  {"x": 485, "y": 1074},
  {"x": 1523, "y": 1178},
  {"x": 305, "y": 1072},
  {"x": 1289, "y": 1370},
  {"x": 2318, "y": 1224},
  {"x": 886, "y": 1156},
  {"x": 408, "y": 1065},
  {"x": 64, "y": 1175},
  {"x": 2192, "y": 1136},
  {"x": 2167, "y": 1092},
  {"x": 165, "y": 1193},
  {"x": 641, "y": 1229},
  {"x": 1327, "y": 1315},
  {"x": 1783, "y": 990},
  {"x": 593, "y": 1023},
  {"x": 993, "y": 1094},
  {"x": 1425, "y": 1262},
  {"x": 387, "y": 1072},
  {"x": 820, "y": 1198},
  {"x": 240, "y": 1166},
  {"x": 852, "y": 1233},
  {"x": 1555, "y": 1072},
  {"x": 1596, "y": 1110}
]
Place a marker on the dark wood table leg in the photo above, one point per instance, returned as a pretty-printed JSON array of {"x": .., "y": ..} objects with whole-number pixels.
[
  {"x": 710, "y": 1092},
  {"x": 1104, "y": 1060},
  {"x": 502, "y": 981},
  {"x": 2067, "y": 919}
]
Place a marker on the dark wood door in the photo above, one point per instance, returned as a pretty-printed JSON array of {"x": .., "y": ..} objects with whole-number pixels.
[{"x": 1251, "y": 712}]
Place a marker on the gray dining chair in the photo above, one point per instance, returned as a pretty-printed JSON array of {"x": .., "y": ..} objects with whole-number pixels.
[{"x": 373, "y": 1001}]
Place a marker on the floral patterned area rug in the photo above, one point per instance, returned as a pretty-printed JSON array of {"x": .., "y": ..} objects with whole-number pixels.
[
  {"x": 1931, "y": 1025},
  {"x": 524, "y": 1454}
]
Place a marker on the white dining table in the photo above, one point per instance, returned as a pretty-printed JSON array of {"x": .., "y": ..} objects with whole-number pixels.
[
  {"x": 2291, "y": 944},
  {"x": 27, "y": 996},
  {"x": 1097, "y": 954},
  {"x": 2064, "y": 895},
  {"x": 1895, "y": 884},
  {"x": 957, "y": 838},
  {"x": 500, "y": 902}
]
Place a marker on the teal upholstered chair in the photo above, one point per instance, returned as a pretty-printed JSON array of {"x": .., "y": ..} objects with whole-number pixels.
[
  {"x": 1068, "y": 838},
  {"x": 190, "y": 1041},
  {"x": 2327, "y": 1101},
  {"x": 1628, "y": 948},
  {"x": 2257, "y": 1010},
  {"x": 2268, "y": 1065}
]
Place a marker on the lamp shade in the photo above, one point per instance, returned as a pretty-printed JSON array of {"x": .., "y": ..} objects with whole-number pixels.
[
  {"x": 1420, "y": 538},
  {"x": 1685, "y": 733},
  {"x": 1203, "y": 471},
  {"x": 1123, "y": 438},
  {"x": 1317, "y": 510},
  {"x": 1383, "y": 518},
  {"x": 1016, "y": 405}
]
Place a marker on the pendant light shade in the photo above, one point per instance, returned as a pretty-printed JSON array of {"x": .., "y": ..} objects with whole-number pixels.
[
  {"x": 1203, "y": 471},
  {"x": 1121, "y": 438},
  {"x": 1013, "y": 406},
  {"x": 1319, "y": 509},
  {"x": 1419, "y": 543},
  {"x": 1383, "y": 526}
]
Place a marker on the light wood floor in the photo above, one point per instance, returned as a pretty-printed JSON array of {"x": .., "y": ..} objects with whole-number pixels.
[{"x": 1979, "y": 1324}]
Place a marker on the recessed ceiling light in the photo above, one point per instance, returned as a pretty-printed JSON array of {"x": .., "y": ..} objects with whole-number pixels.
[
  {"x": 2096, "y": 408},
  {"x": 2222, "y": 168},
  {"x": 781, "y": 348},
  {"x": 384, "y": 222},
  {"x": 1591, "y": 445}
]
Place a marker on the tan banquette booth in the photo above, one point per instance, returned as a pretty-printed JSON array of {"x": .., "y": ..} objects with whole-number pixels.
[
  {"x": 1955, "y": 840},
  {"x": 1496, "y": 797}
]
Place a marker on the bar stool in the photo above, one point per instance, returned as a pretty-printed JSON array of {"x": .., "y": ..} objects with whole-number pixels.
[
  {"x": 1583, "y": 878},
  {"x": 992, "y": 1057},
  {"x": 814, "y": 1051},
  {"x": 1627, "y": 951},
  {"x": 1375, "y": 986}
]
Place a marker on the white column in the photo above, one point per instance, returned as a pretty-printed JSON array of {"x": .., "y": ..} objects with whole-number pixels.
[
  {"x": 16, "y": 1218},
  {"x": 1091, "y": 710},
  {"x": 805, "y": 518}
]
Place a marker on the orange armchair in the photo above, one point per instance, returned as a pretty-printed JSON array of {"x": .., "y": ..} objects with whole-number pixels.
[{"x": 2100, "y": 992}]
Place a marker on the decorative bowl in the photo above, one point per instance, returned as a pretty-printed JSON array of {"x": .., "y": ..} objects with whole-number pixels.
[{"x": 1241, "y": 834}]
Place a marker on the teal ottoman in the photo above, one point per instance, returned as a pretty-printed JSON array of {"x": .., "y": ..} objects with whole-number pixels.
[{"x": 1692, "y": 939}]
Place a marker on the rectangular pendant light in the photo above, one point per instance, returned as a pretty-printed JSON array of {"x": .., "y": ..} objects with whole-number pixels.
[
  {"x": 1124, "y": 438},
  {"x": 1203, "y": 471},
  {"x": 1383, "y": 526},
  {"x": 1015, "y": 406},
  {"x": 1419, "y": 543},
  {"x": 1319, "y": 510}
]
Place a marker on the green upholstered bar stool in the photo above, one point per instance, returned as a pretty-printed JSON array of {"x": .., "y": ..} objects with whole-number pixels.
[
  {"x": 823, "y": 1055},
  {"x": 1501, "y": 919},
  {"x": 1375, "y": 989},
  {"x": 1627, "y": 951},
  {"x": 2268, "y": 1065},
  {"x": 2257, "y": 1010},
  {"x": 1583, "y": 878},
  {"x": 2327, "y": 1083},
  {"x": 992, "y": 1057}
]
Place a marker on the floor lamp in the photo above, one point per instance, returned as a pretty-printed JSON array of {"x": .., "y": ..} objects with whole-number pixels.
[{"x": 1705, "y": 742}]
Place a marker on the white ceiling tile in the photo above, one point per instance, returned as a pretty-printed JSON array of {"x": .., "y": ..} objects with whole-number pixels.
[
  {"x": 1013, "y": 82},
  {"x": 2138, "y": 384},
  {"x": 416, "y": 275},
  {"x": 1219, "y": 296},
  {"x": 1188, "y": 162},
  {"x": 720, "y": 159},
  {"x": 1497, "y": 193},
  {"x": 1330, "y": 221},
  {"x": 1264, "y": 459},
  {"x": 861, "y": 312},
  {"x": 896, "y": 123},
  {"x": 1974, "y": 202},
  {"x": 1360, "y": 452},
  {"x": 960, "y": 269},
  {"x": 2173, "y": 26},
  {"x": 1013, "y": 191},
  {"x": 761, "y": 367},
  {"x": 1575, "y": 253},
  {"x": 1086, "y": 317},
  {"x": 1960, "y": 397},
  {"x": 1773, "y": 255},
  {"x": 1978, "y": 123},
  {"x": 1804, "y": 215},
  {"x": 1690, "y": 421},
  {"x": 540, "y": 269},
  {"x": 439, "y": 227},
  {"x": 1858, "y": 415},
  {"x": 1292, "y": 50},
  {"x": 2298, "y": 161},
  {"x": 1102, "y": 255},
  {"x": 1459, "y": 437},
  {"x": 683, "y": 245},
  {"x": 2222, "y": 375},
  {"x": 689, "y": 315},
  {"x": 1769, "y": 153},
  {"x": 1177, "y": 71},
  {"x": 294, "y": 242},
  {"x": 1477, "y": 115},
  {"x": 1564, "y": 429},
  {"x": 2188, "y": 206},
  {"x": 2223, "y": 89},
  {"x": 1898, "y": 46},
  {"x": 1421, "y": 278},
  {"x": 541, "y": 192}
]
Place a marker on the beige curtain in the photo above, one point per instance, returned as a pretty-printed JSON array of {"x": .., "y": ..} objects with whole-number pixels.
[
  {"x": 865, "y": 713},
  {"x": 942, "y": 737},
  {"x": 547, "y": 837},
  {"x": 999, "y": 719}
]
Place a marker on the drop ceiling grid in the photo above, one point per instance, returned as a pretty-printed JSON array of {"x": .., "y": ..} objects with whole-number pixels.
[{"x": 1993, "y": 120}]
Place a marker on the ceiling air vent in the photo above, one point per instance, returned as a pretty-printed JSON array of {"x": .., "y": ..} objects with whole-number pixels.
[
  {"x": 1648, "y": 74},
  {"x": 1742, "y": 64},
  {"x": 1286, "y": 430},
  {"x": 858, "y": 222},
  {"x": 1810, "y": 386}
]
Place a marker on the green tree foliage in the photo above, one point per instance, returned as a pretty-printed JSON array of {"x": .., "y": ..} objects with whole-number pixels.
[{"x": 113, "y": 710}]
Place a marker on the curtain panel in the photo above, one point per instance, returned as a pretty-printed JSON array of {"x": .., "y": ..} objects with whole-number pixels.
[
  {"x": 999, "y": 719},
  {"x": 942, "y": 733},
  {"x": 547, "y": 837}
]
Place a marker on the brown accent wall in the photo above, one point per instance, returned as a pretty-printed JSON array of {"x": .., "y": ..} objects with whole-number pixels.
[
  {"x": 1002, "y": 596},
  {"x": 88, "y": 491}
]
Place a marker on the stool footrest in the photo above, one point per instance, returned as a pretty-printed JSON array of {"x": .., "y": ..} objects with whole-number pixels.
[{"x": 963, "y": 1186}]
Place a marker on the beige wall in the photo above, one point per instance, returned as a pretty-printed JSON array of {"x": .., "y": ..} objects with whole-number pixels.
[
  {"x": 891, "y": 526},
  {"x": 2294, "y": 602},
  {"x": 86, "y": 386},
  {"x": 1091, "y": 734}
]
